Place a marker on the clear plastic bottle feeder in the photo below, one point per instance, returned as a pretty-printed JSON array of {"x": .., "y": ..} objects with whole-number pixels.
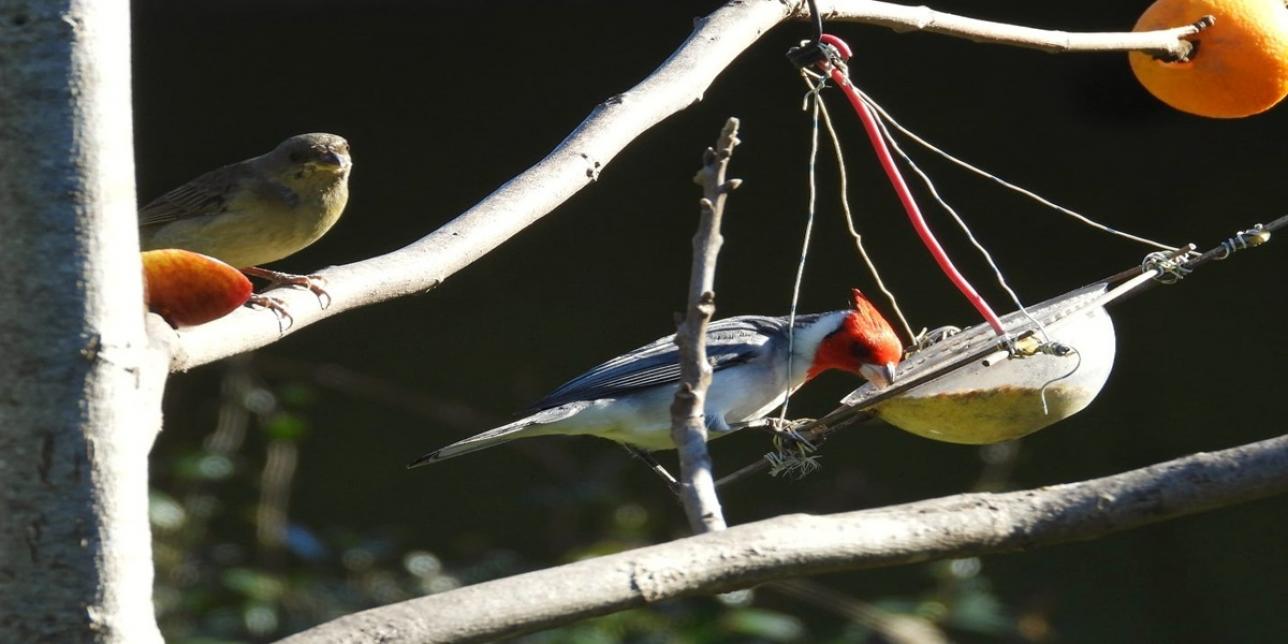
[{"x": 975, "y": 388}]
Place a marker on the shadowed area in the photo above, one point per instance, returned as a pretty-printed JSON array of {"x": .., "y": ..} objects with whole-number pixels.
[{"x": 281, "y": 495}]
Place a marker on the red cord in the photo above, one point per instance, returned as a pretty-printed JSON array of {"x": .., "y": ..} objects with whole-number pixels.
[{"x": 901, "y": 188}]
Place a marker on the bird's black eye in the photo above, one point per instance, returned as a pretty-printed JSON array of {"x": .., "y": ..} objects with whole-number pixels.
[{"x": 860, "y": 350}]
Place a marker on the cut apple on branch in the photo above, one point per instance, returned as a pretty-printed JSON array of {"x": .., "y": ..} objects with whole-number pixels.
[{"x": 188, "y": 288}]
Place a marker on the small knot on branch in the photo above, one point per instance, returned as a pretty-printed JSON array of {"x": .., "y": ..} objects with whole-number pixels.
[
  {"x": 729, "y": 137},
  {"x": 709, "y": 158},
  {"x": 592, "y": 167},
  {"x": 1186, "y": 49},
  {"x": 706, "y": 305},
  {"x": 688, "y": 396}
]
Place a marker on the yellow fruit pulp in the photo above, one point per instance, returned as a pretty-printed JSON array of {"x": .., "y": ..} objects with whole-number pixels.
[{"x": 983, "y": 416}]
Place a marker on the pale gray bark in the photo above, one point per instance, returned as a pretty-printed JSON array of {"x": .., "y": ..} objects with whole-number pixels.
[
  {"x": 688, "y": 418},
  {"x": 794, "y": 545},
  {"x": 1169, "y": 43},
  {"x": 80, "y": 392}
]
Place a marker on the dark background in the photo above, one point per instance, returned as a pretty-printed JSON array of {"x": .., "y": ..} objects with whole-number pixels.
[{"x": 443, "y": 102}]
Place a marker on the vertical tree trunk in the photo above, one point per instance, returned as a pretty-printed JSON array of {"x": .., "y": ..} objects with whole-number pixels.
[{"x": 79, "y": 387}]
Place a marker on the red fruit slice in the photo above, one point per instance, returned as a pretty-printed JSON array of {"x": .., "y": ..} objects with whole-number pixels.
[{"x": 188, "y": 288}]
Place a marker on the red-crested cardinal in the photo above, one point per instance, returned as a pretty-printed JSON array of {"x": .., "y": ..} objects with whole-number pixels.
[{"x": 628, "y": 399}]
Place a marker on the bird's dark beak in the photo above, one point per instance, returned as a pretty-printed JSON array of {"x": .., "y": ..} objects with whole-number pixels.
[
  {"x": 880, "y": 375},
  {"x": 331, "y": 158}
]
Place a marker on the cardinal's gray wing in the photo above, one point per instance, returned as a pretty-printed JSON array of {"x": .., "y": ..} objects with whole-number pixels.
[{"x": 730, "y": 342}]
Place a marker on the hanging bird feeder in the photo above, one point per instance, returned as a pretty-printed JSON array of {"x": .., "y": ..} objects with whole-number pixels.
[
  {"x": 1010, "y": 375},
  {"x": 978, "y": 390},
  {"x": 974, "y": 387}
]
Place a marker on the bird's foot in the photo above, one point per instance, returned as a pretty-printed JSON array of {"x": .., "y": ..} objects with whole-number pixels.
[
  {"x": 315, "y": 283},
  {"x": 785, "y": 431},
  {"x": 278, "y": 307},
  {"x": 656, "y": 467}
]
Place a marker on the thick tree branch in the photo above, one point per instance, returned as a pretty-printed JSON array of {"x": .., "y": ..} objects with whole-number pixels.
[
  {"x": 679, "y": 82},
  {"x": 574, "y": 164},
  {"x": 794, "y": 545},
  {"x": 688, "y": 417},
  {"x": 80, "y": 390}
]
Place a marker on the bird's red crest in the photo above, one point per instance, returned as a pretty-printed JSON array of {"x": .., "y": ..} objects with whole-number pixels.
[
  {"x": 864, "y": 337},
  {"x": 871, "y": 327}
]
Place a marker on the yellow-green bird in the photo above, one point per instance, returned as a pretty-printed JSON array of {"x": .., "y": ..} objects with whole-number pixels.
[{"x": 259, "y": 210}]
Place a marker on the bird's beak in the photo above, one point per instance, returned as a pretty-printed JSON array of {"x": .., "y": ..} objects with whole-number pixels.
[
  {"x": 331, "y": 158},
  {"x": 880, "y": 375}
]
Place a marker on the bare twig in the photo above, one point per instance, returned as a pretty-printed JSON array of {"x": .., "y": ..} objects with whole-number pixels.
[
  {"x": 794, "y": 545},
  {"x": 1165, "y": 43},
  {"x": 678, "y": 83},
  {"x": 688, "y": 418}
]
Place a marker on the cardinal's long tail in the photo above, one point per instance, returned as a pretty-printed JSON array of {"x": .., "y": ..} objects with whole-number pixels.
[{"x": 534, "y": 425}]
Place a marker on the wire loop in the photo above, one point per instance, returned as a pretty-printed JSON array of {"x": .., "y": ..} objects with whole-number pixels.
[
  {"x": 1251, "y": 238},
  {"x": 1171, "y": 267}
]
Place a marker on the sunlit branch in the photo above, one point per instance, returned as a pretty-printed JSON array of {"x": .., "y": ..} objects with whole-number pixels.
[
  {"x": 688, "y": 418},
  {"x": 793, "y": 545},
  {"x": 679, "y": 82}
]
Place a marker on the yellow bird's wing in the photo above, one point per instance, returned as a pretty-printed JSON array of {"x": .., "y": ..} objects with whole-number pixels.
[{"x": 208, "y": 194}]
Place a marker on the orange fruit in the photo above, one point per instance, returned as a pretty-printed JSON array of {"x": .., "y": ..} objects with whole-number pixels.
[
  {"x": 1240, "y": 64},
  {"x": 188, "y": 288}
]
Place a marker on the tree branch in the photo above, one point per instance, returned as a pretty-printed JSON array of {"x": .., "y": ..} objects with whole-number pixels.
[
  {"x": 799, "y": 544},
  {"x": 1165, "y": 43},
  {"x": 679, "y": 82},
  {"x": 688, "y": 417},
  {"x": 81, "y": 388}
]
